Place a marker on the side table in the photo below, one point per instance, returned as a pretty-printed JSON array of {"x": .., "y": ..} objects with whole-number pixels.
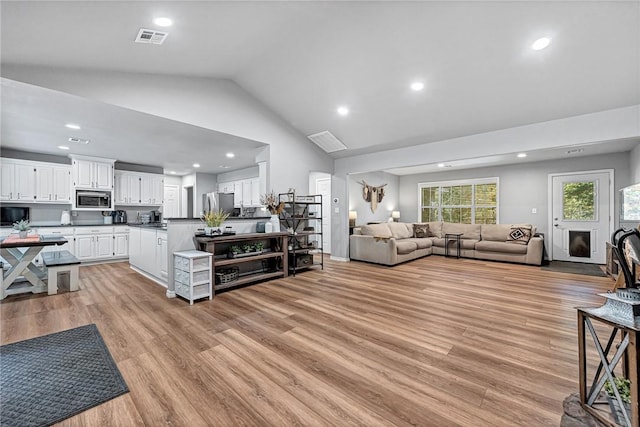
[{"x": 452, "y": 237}]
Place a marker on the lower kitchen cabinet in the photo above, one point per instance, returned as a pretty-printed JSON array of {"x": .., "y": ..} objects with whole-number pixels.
[
  {"x": 121, "y": 245},
  {"x": 94, "y": 246},
  {"x": 148, "y": 252}
]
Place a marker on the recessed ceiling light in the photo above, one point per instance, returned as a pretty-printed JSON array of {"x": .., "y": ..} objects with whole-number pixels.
[
  {"x": 522, "y": 155},
  {"x": 163, "y": 22},
  {"x": 417, "y": 86},
  {"x": 196, "y": 165},
  {"x": 224, "y": 166},
  {"x": 172, "y": 172},
  {"x": 72, "y": 126},
  {"x": 440, "y": 165},
  {"x": 541, "y": 43},
  {"x": 63, "y": 147},
  {"x": 343, "y": 111},
  {"x": 78, "y": 140},
  {"x": 230, "y": 155}
]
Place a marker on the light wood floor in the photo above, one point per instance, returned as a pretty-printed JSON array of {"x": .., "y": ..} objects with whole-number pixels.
[{"x": 435, "y": 342}]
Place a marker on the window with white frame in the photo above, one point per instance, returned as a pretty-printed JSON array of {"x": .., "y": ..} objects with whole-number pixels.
[{"x": 467, "y": 201}]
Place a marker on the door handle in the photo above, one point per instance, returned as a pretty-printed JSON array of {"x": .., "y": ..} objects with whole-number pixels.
[{"x": 555, "y": 225}]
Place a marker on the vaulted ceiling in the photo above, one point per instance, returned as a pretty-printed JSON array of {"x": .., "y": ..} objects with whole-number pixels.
[{"x": 305, "y": 59}]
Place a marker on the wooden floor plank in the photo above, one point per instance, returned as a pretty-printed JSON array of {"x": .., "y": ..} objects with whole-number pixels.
[{"x": 433, "y": 342}]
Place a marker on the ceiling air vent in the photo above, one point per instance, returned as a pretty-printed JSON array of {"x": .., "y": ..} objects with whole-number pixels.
[
  {"x": 78, "y": 140},
  {"x": 327, "y": 141},
  {"x": 575, "y": 151},
  {"x": 151, "y": 36}
]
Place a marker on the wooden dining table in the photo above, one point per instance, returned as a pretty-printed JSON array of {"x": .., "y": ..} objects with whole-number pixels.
[{"x": 22, "y": 263}]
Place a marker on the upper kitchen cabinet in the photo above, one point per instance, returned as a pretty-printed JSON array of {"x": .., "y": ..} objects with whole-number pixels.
[
  {"x": 136, "y": 189},
  {"x": 92, "y": 173},
  {"x": 53, "y": 183},
  {"x": 18, "y": 181}
]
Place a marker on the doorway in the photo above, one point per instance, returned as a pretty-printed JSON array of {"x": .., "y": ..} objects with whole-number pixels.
[
  {"x": 323, "y": 187},
  {"x": 581, "y": 215},
  {"x": 171, "y": 208}
]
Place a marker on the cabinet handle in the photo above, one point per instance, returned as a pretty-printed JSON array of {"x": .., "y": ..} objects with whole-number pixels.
[
  {"x": 56, "y": 197},
  {"x": 159, "y": 243},
  {"x": 18, "y": 195},
  {"x": 49, "y": 196}
]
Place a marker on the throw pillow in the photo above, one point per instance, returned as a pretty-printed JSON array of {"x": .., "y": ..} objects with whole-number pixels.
[
  {"x": 519, "y": 235},
  {"x": 421, "y": 230}
]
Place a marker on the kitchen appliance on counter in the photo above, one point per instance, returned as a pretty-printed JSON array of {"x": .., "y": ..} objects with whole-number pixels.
[
  {"x": 65, "y": 217},
  {"x": 11, "y": 214},
  {"x": 92, "y": 200},
  {"x": 155, "y": 216},
  {"x": 119, "y": 217}
]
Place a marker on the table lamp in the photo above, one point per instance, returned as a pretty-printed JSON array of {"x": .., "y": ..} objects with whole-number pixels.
[
  {"x": 395, "y": 215},
  {"x": 353, "y": 215}
]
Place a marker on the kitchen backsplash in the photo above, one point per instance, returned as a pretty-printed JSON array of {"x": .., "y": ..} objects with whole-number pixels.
[{"x": 50, "y": 215}]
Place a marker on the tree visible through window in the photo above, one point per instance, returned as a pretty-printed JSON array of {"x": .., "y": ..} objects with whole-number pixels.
[
  {"x": 468, "y": 202},
  {"x": 579, "y": 201}
]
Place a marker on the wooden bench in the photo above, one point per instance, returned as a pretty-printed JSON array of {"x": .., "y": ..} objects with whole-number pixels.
[{"x": 61, "y": 261}]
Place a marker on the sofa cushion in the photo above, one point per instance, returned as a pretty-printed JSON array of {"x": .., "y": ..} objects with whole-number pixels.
[
  {"x": 435, "y": 229},
  {"x": 405, "y": 246},
  {"x": 519, "y": 235},
  {"x": 422, "y": 242},
  {"x": 502, "y": 247},
  {"x": 469, "y": 231},
  {"x": 495, "y": 232},
  {"x": 421, "y": 230},
  {"x": 399, "y": 230},
  {"x": 380, "y": 230}
]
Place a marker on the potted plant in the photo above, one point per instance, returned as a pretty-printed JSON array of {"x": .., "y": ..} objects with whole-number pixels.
[
  {"x": 623, "y": 385},
  {"x": 214, "y": 220},
  {"x": 23, "y": 228},
  {"x": 259, "y": 246},
  {"x": 234, "y": 250},
  {"x": 247, "y": 248}
]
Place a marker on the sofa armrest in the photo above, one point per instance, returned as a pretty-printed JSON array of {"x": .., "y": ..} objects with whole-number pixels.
[
  {"x": 535, "y": 250},
  {"x": 381, "y": 250}
]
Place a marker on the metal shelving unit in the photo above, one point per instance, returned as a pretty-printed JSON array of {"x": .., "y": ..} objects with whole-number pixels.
[{"x": 302, "y": 215}]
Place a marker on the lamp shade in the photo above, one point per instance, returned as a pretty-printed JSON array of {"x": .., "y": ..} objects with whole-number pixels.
[
  {"x": 353, "y": 215},
  {"x": 395, "y": 214}
]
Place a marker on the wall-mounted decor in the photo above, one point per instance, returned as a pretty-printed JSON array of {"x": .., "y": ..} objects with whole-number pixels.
[{"x": 372, "y": 194}]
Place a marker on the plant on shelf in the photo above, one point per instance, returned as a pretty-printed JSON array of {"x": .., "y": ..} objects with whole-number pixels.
[
  {"x": 23, "y": 227},
  {"x": 259, "y": 246},
  {"x": 270, "y": 201},
  {"x": 624, "y": 388},
  {"x": 247, "y": 248}
]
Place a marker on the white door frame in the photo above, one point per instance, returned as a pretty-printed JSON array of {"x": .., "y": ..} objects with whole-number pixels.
[
  {"x": 326, "y": 202},
  {"x": 549, "y": 234}
]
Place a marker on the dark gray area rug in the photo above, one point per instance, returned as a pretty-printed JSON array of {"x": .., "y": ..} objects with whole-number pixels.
[
  {"x": 47, "y": 379},
  {"x": 575, "y": 268}
]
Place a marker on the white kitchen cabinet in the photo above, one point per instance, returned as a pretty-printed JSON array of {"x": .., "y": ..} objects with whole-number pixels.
[
  {"x": 18, "y": 181},
  {"x": 134, "y": 246},
  {"x": 53, "y": 183},
  {"x": 251, "y": 192},
  {"x": 92, "y": 173},
  {"x": 237, "y": 194},
  {"x": 162, "y": 254},
  {"x": 121, "y": 245},
  {"x": 138, "y": 189},
  {"x": 94, "y": 243},
  {"x": 148, "y": 246}
]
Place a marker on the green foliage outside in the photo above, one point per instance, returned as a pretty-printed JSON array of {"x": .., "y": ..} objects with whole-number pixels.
[
  {"x": 624, "y": 388},
  {"x": 455, "y": 203},
  {"x": 631, "y": 203},
  {"x": 578, "y": 202}
]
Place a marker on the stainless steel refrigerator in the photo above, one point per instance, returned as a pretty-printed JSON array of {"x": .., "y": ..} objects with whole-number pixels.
[{"x": 217, "y": 201}]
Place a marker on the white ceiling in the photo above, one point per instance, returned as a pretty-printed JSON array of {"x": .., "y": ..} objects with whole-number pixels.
[{"x": 303, "y": 59}]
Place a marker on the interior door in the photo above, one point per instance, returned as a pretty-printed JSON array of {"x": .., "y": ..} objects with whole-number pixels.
[
  {"x": 171, "y": 208},
  {"x": 323, "y": 187},
  {"x": 581, "y": 216}
]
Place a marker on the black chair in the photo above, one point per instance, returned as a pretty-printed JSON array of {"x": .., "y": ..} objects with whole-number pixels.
[{"x": 631, "y": 238}]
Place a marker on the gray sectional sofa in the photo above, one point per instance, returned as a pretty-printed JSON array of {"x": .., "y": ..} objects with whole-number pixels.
[{"x": 396, "y": 242}]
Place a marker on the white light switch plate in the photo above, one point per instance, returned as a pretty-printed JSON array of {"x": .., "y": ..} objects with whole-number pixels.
[
  {"x": 534, "y": 210},
  {"x": 337, "y": 210}
]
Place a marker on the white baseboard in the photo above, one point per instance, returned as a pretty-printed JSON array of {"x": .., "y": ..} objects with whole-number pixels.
[
  {"x": 338, "y": 258},
  {"x": 148, "y": 276}
]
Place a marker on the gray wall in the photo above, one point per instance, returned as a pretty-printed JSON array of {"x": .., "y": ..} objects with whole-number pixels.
[
  {"x": 389, "y": 203},
  {"x": 36, "y": 157},
  {"x": 634, "y": 158},
  {"x": 521, "y": 187}
]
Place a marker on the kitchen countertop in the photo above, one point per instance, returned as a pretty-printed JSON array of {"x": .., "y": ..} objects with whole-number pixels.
[
  {"x": 69, "y": 225},
  {"x": 231, "y": 218},
  {"x": 149, "y": 225}
]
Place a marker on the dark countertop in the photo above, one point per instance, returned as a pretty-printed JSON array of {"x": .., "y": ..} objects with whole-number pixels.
[
  {"x": 72, "y": 225},
  {"x": 149, "y": 225},
  {"x": 231, "y": 218}
]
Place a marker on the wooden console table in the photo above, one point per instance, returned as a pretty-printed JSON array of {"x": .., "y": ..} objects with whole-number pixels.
[{"x": 250, "y": 268}]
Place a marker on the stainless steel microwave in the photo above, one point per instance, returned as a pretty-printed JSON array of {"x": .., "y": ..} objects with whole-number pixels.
[{"x": 94, "y": 200}]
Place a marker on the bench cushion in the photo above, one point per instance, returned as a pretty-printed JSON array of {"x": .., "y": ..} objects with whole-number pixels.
[{"x": 59, "y": 258}]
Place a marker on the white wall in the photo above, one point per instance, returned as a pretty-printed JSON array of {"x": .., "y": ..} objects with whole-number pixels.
[
  {"x": 634, "y": 159},
  {"x": 217, "y": 104},
  {"x": 389, "y": 203},
  {"x": 252, "y": 172}
]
